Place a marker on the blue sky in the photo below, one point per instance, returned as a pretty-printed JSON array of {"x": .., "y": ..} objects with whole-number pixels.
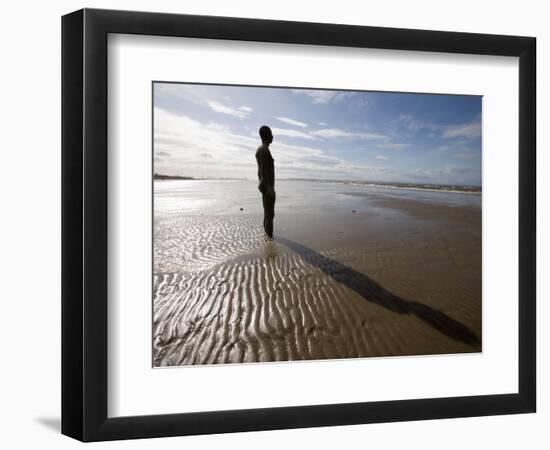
[{"x": 212, "y": 131}]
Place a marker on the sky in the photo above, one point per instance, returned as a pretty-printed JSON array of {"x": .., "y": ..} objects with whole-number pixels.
[{"x": 211, "y": 131}]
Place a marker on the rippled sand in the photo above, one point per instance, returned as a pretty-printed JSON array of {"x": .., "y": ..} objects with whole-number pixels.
[{"x": 352, "y": 272}]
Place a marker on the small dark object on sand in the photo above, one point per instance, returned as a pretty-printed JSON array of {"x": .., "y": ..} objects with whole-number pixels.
[
  {"x": 241, "y": 209},
  {"x": 353, "y": 211}
]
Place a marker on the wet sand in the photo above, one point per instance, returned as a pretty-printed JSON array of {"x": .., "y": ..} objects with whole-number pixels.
[{"x": 353, "y": 271}]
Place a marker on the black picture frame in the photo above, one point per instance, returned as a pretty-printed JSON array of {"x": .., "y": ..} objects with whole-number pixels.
[{"x": 84, "y": 224}]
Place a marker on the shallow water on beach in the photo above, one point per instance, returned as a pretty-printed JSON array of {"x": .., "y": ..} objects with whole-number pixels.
[{"x": 227, "y": 196}]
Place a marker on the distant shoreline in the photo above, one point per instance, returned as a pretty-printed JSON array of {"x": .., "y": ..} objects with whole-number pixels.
[
  {"x": 400, "y": 185},
  {"x": 469, "y": 189},
  {"x": 161, "y": 177},
  {"x": 158, "y": 176}
]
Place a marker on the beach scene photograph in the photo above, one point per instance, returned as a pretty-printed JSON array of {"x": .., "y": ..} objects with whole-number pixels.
[{"x": 297, "y": 224}]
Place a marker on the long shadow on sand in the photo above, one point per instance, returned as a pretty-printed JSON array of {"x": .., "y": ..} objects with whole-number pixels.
[{"x": 373, "y": 292}]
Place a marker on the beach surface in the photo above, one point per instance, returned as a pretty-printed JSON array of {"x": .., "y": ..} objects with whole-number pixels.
[{"x": 354, "y": 270}]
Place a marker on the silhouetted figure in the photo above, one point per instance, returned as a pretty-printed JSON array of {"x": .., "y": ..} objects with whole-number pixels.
[{"x": 266, "y": 175}]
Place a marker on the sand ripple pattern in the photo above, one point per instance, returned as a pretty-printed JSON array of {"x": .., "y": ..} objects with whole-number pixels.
[
  {"x": 301, "y": 304},
  {"x": 199, "y": 243}
]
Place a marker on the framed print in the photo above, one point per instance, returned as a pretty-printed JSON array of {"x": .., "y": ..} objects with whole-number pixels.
[{"x": 273, "y": 224}]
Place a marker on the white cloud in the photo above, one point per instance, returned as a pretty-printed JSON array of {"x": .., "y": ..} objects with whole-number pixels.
[
  {"x": 323, "y": 124},
  {"x": 211, "y": 150},
  {"x": 289, "y": 121},
  {"x": 241, "y": 112},
  {"x": 382, "y": 157},
  {"x": 460, "y": 150},
  {"x": 468, "y": 130},
  {"x": 327, "y": 133},
  {"x": 187, "y": 140},
  {"x": 291, "y": 133},
  {"x": 393, "y": 146},
  {"x": 415, "y": 125},
  {"x": 336, "y": 133},
  {"x": 324, "y": 97}
]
